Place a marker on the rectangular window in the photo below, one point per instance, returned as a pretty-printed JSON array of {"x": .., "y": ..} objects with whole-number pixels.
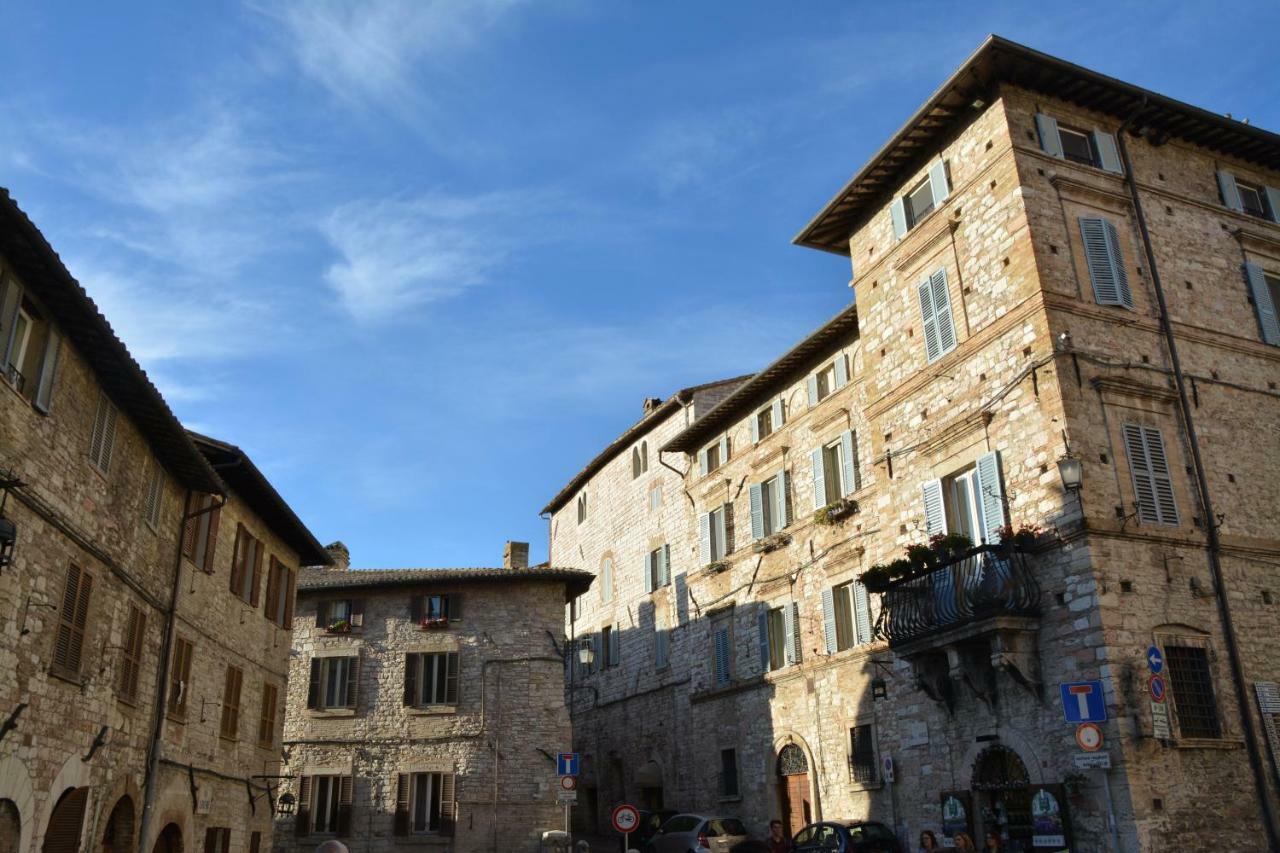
[
  {"x": 834, "y": 481},
  {"x": 325, "y": 792},
  {"x": 715, "y": 534},
  {"x": 267, "y": 716},
  {"x": 764, "y": 423},
  {"x": 246, "y": 566},
  {"x": 610, "y": 641},
  {"x": 863, "y": 766},
  {"x": 1252, "y": 199},
  {"x": 333, "y": 682},
  {"x": 770, "y": 506},
  {"x": 153, "y": 504},
  {"x": 255, "y": 842},
  {"x": 836, "y": 473},
  {"x": 102, "y": 440},
  {"x": 180, "y": 678},
  {"x": 1152, "y": 484},
  {"x": 428, "y": 806},
  {"x": 935, "y": 313},
  {"x": 920, "y": 202},
  {"x": 846, "y": 614},
  {"x": 431, "y": 679},
  {"x": 280, "y": 593},
  {"x": 777, "y": 638},
  {"x": 73, "y": 618},
  {"x": 217, "y": 839},
  {"x": 1077, "y": 146},
  {"x": 657, "y": 568},
  {"x": 728, "y": 773},
  {"x": 231, "y": 703},
  {"x": 722, "y": 651},
  {"x": 200, "y": 536},
  {"x": 131, "y": 660},
  {"x": 1191, "y": 683},
  {"x": 29, "y": 346},
  {"x": 970, "y": 501}
]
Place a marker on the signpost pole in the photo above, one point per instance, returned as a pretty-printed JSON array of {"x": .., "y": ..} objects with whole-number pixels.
[{"x": 1111, "y": 810}]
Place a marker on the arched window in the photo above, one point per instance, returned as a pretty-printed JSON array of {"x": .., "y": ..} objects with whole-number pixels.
[
  {"x": 644, "y": 457},
  {"x": 62, "y": 835},
  {"x": 118, "y": 836},
  {"x": 582, "y": 507},
  {"x": 791, "y": 761},
  {"x": 169, "y": 840},
  {"x": 635, "y": 463},
  {"x": 10, "y": 825},
  {"x": 998, "y": 768}
]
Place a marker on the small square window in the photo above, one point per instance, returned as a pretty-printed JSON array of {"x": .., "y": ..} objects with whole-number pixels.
[
  {"x": 764, "y": 422},
  {"x": 1077, "y": 146},
  {"x": 713, "y": 457},
  {"x": 919, "y": 202},
  {"x": 1252, "y": 199}
]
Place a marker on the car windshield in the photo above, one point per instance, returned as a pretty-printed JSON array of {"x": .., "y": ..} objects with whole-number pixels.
[{"x": 870, "y": 832}]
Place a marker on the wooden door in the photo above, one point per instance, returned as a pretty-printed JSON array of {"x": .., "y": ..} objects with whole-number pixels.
[{"x": 797, "y": 810}]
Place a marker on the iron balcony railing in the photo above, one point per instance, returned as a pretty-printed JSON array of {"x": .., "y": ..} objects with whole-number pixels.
[{"x": 990, "y": 580}]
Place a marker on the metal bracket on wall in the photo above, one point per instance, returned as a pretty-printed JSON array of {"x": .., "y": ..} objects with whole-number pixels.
[
  {"x": 97, "y": 743},
  {"x": 12, "y": 723}
]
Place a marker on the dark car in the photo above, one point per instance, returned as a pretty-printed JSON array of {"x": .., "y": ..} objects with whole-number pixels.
[
  {"x": 650, "y": 823},
  {"x": 847, "y": 836}
]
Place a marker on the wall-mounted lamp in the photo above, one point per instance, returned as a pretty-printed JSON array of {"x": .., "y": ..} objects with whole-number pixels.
[
  {"x": 1071, "y": 470},
  {"x": 285, "y": 804},
  {"x": 586, "y": 652},
  {"x": 879, "y": 689}
]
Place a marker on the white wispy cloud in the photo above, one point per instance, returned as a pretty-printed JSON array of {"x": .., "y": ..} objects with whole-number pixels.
[
  {"x": 400, "y": 254},
  {"x": 369, "y": 53}
]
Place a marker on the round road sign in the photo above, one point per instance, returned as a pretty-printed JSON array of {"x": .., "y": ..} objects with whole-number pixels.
[
  {"x": 1157, "y": 688},
  {"x": 1089, "y": 737},
  {"x": 626, "y": 819},
  {"x": 568, "y": 782}
]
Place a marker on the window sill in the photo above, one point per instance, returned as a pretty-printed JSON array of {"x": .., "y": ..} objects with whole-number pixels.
[
  {"x": 431, "y": 710},
  {"x": 228, "y": 740},
  {"x": 129, "y": 703},
  {"x": 730, "y": 798},
  {"x": 176, "y": 717},
  {"x": 73, "y": 678},
  {"x": 1208, "y": 743},
  {"x": 331, "y": 712},
  {"x": 865, "y": 786}
]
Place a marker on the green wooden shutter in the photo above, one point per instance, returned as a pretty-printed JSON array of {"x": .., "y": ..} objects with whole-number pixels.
[
  {"x": 829, "y": 619},
  {"x": 991, "y": 494},
  {"x": 1108, "y": 154},
  {"x": 1050, "y": 140},
  {"x": 1230, "y": 193},
  {"x": 935, "y": 514},
  {"x": 849, "y": 461},
  {"x": 1263, "y": 303},
  {"x": 1149, "y": 467},
  {"x": 1105, "y": 261},
  {"x": 757, "y": 510},
  {"x": 932, "y": 350},
  {"x": 942, "y": 311},
  {"x": 842, "y": 371},
  {"x": 724, "y": 449},
  {"x": 938, "y": 182},
  {"x": 819, "y": 481},
  {"x": 898, "y": 213}
]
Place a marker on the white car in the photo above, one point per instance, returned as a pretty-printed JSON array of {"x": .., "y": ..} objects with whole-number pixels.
[{"x": 692, "y": 833}]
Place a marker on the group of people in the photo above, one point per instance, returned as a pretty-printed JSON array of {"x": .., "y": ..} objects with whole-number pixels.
[{"x": 962, "y": 840}]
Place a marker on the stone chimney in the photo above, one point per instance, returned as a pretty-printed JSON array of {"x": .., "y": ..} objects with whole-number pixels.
[
  {"x": 515, "y": 555},
  {"x": 340, "y": 555},
  {"x": 651, "y": 405}
]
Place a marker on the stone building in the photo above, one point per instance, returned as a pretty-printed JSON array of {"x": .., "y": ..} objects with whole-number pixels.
[
  {"x": 426, "y": 706},
  {"x": 139, "y": 640},
  {"x": 1093, "y": 270}
]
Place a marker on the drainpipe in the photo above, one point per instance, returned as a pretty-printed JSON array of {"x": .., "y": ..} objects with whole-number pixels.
[
  {"x": 1214, "y": 544},
  {"x": 151, "y": 780}
]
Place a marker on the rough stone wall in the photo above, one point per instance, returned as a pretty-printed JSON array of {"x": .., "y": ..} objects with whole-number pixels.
[
  {"x": 68, "y": 512},
  {"x": 510, "y": 702}
]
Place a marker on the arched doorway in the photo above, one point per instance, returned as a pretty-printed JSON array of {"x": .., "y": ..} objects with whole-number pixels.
[
  {"x": 793, "y": 789},
  {"x": 62, "y": 834},
  {"x": 649, "y": 781},
  {"x": 118, "y": 836},
  {"x": 10, "y": 825},
  {"x": 1002, "y": 794},
  {"x": 169, "y": 840}
]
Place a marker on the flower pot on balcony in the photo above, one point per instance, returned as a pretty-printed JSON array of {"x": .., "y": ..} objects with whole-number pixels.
[
  {"x": 432, "y": 623},
  {"x": 717, "y": 567},
  {"x": 771, "y": 543},
  {"x": 877, "y": 578},
  {"x": 342, "y": 626},
  {"x": 835, "y": 511}
]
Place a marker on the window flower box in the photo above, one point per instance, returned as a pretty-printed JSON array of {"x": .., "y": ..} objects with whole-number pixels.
[
  {"x": 342, "y": 626},
  {"x": 835, "y": 511},
  {"x": 717, "y": 567},
  {"x": 431, "y": 623},
  {"x": 771, "y": 543}
]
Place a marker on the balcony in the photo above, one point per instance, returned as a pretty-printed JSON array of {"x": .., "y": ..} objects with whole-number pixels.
[{"x": 989, "y": 581}]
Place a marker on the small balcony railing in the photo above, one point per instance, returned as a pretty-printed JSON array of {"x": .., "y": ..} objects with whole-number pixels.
[{"x": 990, "y": 580}]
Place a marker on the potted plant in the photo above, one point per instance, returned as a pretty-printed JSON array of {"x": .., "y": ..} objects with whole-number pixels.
[
  {"x": 431, "y": 622},
  {"x": 901, "y": 568},
  {"x": 341, "y": 626},
  {"x": 717, "y": 567},
  {"x": 771, "y": 543},
  {"x": 1023, "y": 538},
  {"x": 922, "y": 556},
  {"x": 834, "y": 511},
  {"x": 949, "y": 546},
  {"x": 876, "y": 578}
]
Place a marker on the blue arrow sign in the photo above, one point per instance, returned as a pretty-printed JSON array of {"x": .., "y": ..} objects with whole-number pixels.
[
  {"x": 1155, "y": 660},
  {"x": 567, "y": 764}
]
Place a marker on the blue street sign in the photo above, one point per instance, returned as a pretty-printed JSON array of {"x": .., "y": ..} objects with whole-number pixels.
[
  {"x": 567, "y": 764},
  {"x": 1083, "y": 702},
  {"x": 1155, "y": 660}
]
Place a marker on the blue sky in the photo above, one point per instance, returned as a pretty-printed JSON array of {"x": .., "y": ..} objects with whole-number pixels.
[{"x": 424, "y": 259}]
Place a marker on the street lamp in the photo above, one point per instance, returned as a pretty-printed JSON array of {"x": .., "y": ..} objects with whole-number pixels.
[
  {"x": 586, "y": 652},
  {"x": 284, "y": 805},
  {"x": 1071, "y": 470}
]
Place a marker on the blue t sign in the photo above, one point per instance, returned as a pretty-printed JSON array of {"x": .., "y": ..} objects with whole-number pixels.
[
  {"x": 1083, "y": 702},
  {"x": 567, "y": 764}
]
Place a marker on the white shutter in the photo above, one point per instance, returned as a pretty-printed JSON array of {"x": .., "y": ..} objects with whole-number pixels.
[
  {"x": 991, "y": 495},
  {"x": 812, "y": 384},
  {"x": 935, "y": 513},
  {"x": 861, "y": 612},
  {"x": 938, "y": 183},
  {"x": 755, "y": 428},
  {"x": 781, "y": 502},
  {"x": 724, "y": 449},
  {"x": 790, "y": 634},
  {"x": 757, "y": 510},
  {"x": 842, "y": 371},
  {"x": 819, "y": 481},
  {"x": 1105, "y": 261},
  {"x": 704, "y": 538},
  {"x": 898, "y": 213},
  {"x": 1050, "y": 140},
  {"x": 942, "y": 312},
  {"x": 1273, "y": 202},
  {"x": 648, "y": 572},
  {"x": 778, "y": 414},
  {"x": 931, "y": 349},
  {"x": 1108, "y": 154},
  {"x": 664, "y": 576},
  {"x": 829, "y": 619},
  {"x": 1230, "y": 193},
  {"x": 702, "y": 462},
  {"x": 48, "y": 364},
  {"x": 848, "y": 462},
  {"x": 1263, "y": 304}
]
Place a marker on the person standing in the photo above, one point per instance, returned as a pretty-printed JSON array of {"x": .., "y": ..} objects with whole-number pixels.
[
  {"x": 964, "y": 842},
  {"x": 778, "y": 843},
  {"x": 928, "y": 841}
]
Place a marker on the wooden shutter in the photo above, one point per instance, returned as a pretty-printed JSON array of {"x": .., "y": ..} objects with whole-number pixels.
[
  {"x": 849, "y": 461},
  {"x": 322, "y": 614},
  {"x": 935, "y": 512},
  {"x": 267, "y": 715},
  {"x": 898, "y": 213},
  {"x": 762, "y": 629},
  {"x": 664, "y": 565},
  {"x": 1149, "y": 466},
  {"x": 230, "y": 723},
  {"x": 211, "y": 539},
  {"x": 10, "y": 302},
  {"x": 290, "y": 578},
  {"x": 726, "y": 530},
  {"x": 411, "y": 664},
  {"x": 226, "y": 839},
  {"x": 615, "y": 646},
  {"x": 942, "y": 312},
  {"x": 1050, "y": 139},
  {"x": 755, "y": 428},
  {"x": 932, "y": 349},
  {"x": 211, "y": 839},
  {"x": 819, "y": 480},
  {"x": 648, "y": 571},
  {"x": 255, "y": 842},
  {"x": 302, "y": 823},
  {"x": 273, "y": 586},
  {"x": 1263, "y": 304},
  {"x": 451, "y": 678},
  {"x": 313, "y": 685},
  {"x": 135, "y": 634},
  {"x": 69, "y": 643},
  {"x": 353, "y": 682},
  {"x": 811, "y": 384},
  {"x": 861, "y": 612},
  {"x": 781, "y": 501},
  {"x": 1105, "y": 261},
  {"x": 343, "y": 822},
  {"x": 790, "y": 634},
  {"x": 1230, "y": 193},
  {"x": 703, "y": 465},
  {"x": 829, "y": 619},
  {"x": 721, "y": 655},
  {"x": 1273, "y": 202},
  {"x": 779, "y": 414},
  {"x": 938, "y": 183},
  {"x": 448, "y": 804},
  {"x": 62, "y": 834},
  {"x": 48, "y": 364},
  {"x": 757, "y": 510},
  {"x": 400, "y": 825},
  {"x": 682, "y": 599},
  {"x": 453, "y": 606},
  {"x": 415, "y": 607},
  {"x": 1108, "y": 154},
  {"x": 841, "y": 370},
  {"x": 991, "y": 494},
  {"x": 704, "y": 538},
  {"x": 236, "y": 579},
  {"x": 724, "y": 449}
]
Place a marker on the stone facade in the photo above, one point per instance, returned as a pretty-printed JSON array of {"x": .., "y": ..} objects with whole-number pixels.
[
  {"x": 764, "y": 713},
  {"x": 426, "y": 706},
  {"x": 98, "y": 473}
]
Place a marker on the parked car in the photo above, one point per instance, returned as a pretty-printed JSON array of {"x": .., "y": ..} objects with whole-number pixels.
[
  {"x": 846, "y": 836},
  {"x": 693, "y": 833},
  {"x": 650, "y": 825}
]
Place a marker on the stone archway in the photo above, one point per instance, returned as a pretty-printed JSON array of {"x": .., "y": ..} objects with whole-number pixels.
[
  {"x": 169, "y": 840},
  {"x": 1002, "y": 794},
  {"x": 118, "y": 836},
  {"x": 10, "y": 826},
  {"x": 66, "y": 822},
  {"x": 795, "y": 799}
]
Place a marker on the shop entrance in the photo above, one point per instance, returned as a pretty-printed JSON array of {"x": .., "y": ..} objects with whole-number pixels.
[
  {"x": 793, "y": 789},
  {"x": 1002, "y": 795}
]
